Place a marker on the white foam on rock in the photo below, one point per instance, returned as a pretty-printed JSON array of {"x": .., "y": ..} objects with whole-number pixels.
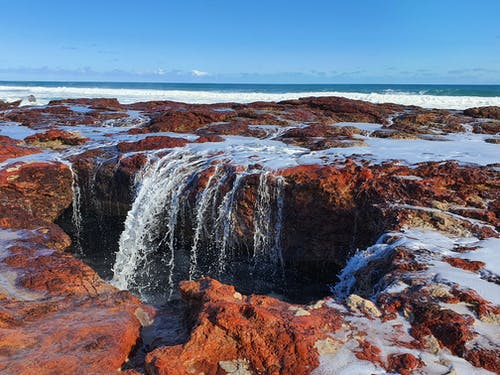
[{"x": 438, "y": 245}]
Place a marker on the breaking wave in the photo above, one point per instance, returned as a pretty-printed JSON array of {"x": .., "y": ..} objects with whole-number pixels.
[{"x": 130, "y": 93}]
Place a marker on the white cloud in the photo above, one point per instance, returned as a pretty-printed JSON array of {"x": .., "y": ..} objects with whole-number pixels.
[
  {"x": 198, "y": 73},
  {"x": 160, "y": 71}
]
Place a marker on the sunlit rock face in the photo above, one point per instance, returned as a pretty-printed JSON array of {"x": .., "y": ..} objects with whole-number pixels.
[{"x": 368, "y": 230}]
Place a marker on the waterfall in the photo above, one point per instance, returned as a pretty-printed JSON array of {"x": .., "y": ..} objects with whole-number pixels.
[
  {"x": 183, "y": 222},
  {"x": 262, "y": 218},
  {"x": 268, "y": 223},
  {"x": 151, "y": 222},
  {"x": 224, "y": 224},
  {"x": 76, "y": 216},
  {"x": 202, "y": 206}
]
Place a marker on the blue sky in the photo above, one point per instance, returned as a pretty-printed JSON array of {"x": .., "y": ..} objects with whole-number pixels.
[{"x": 355, "y": 41}]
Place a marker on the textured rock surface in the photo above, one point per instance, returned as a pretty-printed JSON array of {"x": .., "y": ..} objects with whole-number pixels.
[
  {"x": 55, "y": 139},
  {"x": 11, "y": 148},
  {"x": 262, "y": 333},
  {"x": 56, "y": 314}
]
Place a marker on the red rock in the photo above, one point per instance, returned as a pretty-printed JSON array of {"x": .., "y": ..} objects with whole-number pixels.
[
  {"x": 368, "y": 352},
  {"x": 319, "y": 136},
  {"x": 253, "y": 117},
  {"x": 485, "y": 358},
  {"x": 8, "y": 105},
  {"x": 95, "y": 103},
  {"x": 451, "y": 329},
  {"x": 133, "y": 163},
  {"x": 403, "y": 364},
  {"x": 330, "y": 212},
  {"x": 341, "y": 109},
  {"x": 236, "y": 127},
  {"x": 465, "y": 264},
  {"x": 42, "y": 190},
  {"x": 487, "y": 127},
  {"x": 481, "y": 307},
  {"x": 59, "y": 113},
  {"x": 11, "y": 148},
  {"x": 484, "y": 112},
  {"x": 270, "y": 335},
  {"x": 429, "y": 121},
  {"x": 54, "y": 138},
  {"x": 209, "y": 138},
  {"x": 56, "y": 315},
  {"x": 152, "y": 143},
  {"x": 186, "y": 120}
]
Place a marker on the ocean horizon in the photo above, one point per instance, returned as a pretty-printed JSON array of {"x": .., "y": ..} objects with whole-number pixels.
[{"x": 446, "y": 96}]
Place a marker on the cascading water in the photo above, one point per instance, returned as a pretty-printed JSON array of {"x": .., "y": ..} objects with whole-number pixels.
[
  {"x": 267, "y": 257},
  {"x": 76, "y": 216},
  {"x": 180, "y": 228}
]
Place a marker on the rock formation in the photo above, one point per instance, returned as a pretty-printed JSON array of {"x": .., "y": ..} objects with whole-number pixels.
[{"x": 317, "y": 235}]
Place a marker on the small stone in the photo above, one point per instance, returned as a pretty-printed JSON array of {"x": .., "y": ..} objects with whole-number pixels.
[
  {"x": 143, "y": 317},
  {"x": 432, "y": 344},
  {"x": 318, "y": 305},
  {"x": 302, "y": 312},
  {"x": 357, "y": 303},
  {"x": 440, "y": 205},
  {"x": 237, "y": 295},
  {"x": 439, "y": 291},
  {"x": 327, "y": 346},
  {"x": 490, "y": 318},
  {"x": 235, "y": 367}
]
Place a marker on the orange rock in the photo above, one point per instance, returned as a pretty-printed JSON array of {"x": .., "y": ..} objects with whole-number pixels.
[
  {"x": 54, "y": 138},
  {"x": 451, "y": 329},
  {"x": 31, "y": 192},
  {"x": 11, "y": 148},
  {"x": 403, "y": 364},
  {"x": 186, "y": 120},
  {"x": 465, "y": 264},
  {"x": 152, "y": 143},
  {"x": 110, "y": 104},
  {"x": 484, "y": 112},
  {"x": 259, "y": 333},
  {"x": 368, "y": 352},
  {"x": 485, "y": 358},
  {"x": 209, "y": 138}
]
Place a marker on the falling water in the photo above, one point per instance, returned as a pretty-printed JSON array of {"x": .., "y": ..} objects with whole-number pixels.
[
  {"x": 267, "y": 237},
  {"x": 205, "y": 206},
  {"x": 262, "y": 217},
  {"x": 76, "y": 217},
  {"x": 151, "y": 222},
  {"x": 154, "y": 251},
  {"x": 224, "y": 225}
]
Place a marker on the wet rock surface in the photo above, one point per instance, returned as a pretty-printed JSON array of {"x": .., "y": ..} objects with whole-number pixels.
[
  {"x": 56, "y": 314},
  {"x": 55, "y": 139},
  {"x": 275, "y": 189},
  {"x": 256, "y": 334},
  {"x": 13, "y": 148}
]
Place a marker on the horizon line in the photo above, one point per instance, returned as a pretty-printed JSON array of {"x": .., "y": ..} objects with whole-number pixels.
[{"x": 250, "y": 83}]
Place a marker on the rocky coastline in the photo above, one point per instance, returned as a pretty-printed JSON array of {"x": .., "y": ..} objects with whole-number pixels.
[{"x": 384, "y": 220}]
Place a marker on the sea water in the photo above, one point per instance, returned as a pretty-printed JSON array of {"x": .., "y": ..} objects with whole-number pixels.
[{"x": 428, "y": 96}]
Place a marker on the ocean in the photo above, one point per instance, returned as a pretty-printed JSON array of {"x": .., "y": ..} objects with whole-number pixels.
[{"x": 428, "y": 96}]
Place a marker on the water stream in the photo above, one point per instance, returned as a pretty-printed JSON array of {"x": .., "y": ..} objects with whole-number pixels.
[{"x": 183, "y": 224}]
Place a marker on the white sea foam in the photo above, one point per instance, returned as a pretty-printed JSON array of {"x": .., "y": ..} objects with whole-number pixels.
[{"x": 45, "y": 94}]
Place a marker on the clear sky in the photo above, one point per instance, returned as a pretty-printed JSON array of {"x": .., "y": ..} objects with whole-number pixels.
[{"x": 349, "y": 41}]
